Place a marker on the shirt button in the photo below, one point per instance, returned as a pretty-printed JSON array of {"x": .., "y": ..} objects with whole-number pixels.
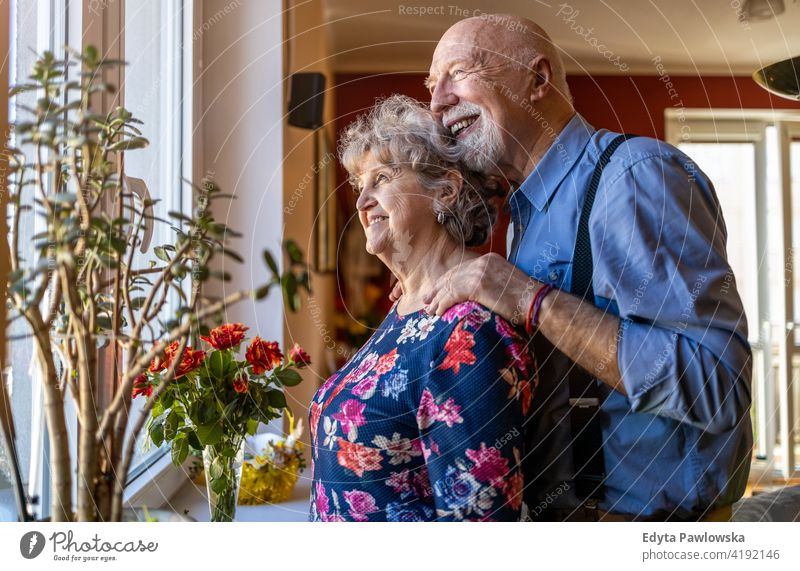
[{"x": 553, "y": 275}]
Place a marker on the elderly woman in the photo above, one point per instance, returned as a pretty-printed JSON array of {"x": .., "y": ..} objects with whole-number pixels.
[{"x": 425, "y": 422}]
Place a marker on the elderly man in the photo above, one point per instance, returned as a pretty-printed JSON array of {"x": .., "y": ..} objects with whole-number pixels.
[{"x": 618, "y": 271}]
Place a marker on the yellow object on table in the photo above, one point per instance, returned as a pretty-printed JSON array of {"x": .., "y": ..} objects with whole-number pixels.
[
  {"x": 268, "y": 484},
  {"x": 270, "y": 476}
]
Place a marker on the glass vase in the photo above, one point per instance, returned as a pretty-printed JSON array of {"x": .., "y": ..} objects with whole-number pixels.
[{"x": 223, "y": 468}]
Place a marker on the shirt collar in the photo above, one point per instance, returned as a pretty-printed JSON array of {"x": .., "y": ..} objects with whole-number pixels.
[{"x": 557, "y": 161}]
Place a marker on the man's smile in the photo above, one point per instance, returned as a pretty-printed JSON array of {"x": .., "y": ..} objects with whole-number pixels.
[{"x": 462, "y": 124}]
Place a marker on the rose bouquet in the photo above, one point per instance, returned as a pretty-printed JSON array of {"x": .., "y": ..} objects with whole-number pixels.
[{"x": 215, "y": 400}]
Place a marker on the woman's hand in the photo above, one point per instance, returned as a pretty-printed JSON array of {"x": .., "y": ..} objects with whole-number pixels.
[{"x": 490, "y": 280}]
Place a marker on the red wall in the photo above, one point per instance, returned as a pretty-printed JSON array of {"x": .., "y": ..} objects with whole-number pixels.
[
  {"x": 636, "y": 104},
  {"x": 632, "y": 104},
  {"x": 626, "y": 104}
]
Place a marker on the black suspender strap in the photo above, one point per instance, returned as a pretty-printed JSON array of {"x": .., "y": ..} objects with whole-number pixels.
[{"x": 584, "y": 393}]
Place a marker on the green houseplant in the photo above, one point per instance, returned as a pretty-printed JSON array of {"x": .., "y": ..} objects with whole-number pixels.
[
  {"x": 216, "y": 400},
  {"x": 87, "y": 294}
]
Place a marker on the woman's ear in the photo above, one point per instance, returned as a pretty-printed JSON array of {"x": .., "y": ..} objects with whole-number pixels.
[{"x": 449, "y": 194}]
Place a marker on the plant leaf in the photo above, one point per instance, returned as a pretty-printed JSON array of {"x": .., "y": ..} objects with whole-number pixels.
[
  {"x": 216, "y": 365},
  {"x": 271, "y": 262},
  {"x": 288, "y": 377},
  {"x": 276, "y": 399},
  {"x": 180, "y": 449},
  {"x": 209, "y": 434}
]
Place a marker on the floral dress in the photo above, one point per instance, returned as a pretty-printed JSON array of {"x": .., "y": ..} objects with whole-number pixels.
[{"x": 425, "y": 422}]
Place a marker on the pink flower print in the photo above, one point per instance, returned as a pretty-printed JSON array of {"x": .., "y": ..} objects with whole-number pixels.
[
  {"x": 351, "y": 415},
  {"x": 366, "y": 365},
  {"x": 426, "y": 452},
  {"x": 489, "y": 466},
  {"x": 504, "y": 329},
  {"x": 366, "y": 387},
  {"x": 449, "y": 413},
  {"x": 477, "y": 318},
  {"x": 321, "y": 500},
  {"x": 386, "y": 362},
  {"x": 459, "y": 310},
  {"x": 333, "y": 517},
  {"x": 422, "y": 484},
  {"x": 361, "y": 504},
  {"x": 399, "y": 481},
  {"x": 427, "y": 411},
  {"x": 326, "y": 386},
  {"x": 519, "y": 353}
]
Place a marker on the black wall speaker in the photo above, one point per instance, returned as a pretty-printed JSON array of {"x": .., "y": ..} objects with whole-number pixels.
[{"x": 307, "y": 100}]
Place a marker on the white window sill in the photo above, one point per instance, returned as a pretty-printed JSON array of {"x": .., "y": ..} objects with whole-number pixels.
[{"x": 190, "y": 499}]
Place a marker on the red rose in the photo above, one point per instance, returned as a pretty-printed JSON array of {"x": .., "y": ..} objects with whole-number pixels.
[
  {"x": 263, "y": 355},
  {"x": 141, "y": 386},
  {"x": 161, "y": 362},
  {"x": 240, "y": 383},
  {"x": 299, "y": 356},
  {"x": 189, "y": 362},
  {"x": 225, "y": 336}
]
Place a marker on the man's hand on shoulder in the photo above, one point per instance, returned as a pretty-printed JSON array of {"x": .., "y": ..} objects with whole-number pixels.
[{"x": 490, "y": 280}]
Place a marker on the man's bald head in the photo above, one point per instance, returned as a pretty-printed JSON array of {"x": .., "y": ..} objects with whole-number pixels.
[
  {"x": 498, "y": 84},
  {"x": 511, "y": 38}
]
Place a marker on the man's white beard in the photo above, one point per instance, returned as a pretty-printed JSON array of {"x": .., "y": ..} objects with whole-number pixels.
[{"x": 482, "y": 149}]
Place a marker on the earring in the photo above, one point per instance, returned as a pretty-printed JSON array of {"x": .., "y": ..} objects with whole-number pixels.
[{"x": 440, "y": 218}]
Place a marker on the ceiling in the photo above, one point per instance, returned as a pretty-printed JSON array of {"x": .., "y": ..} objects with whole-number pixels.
[{"x": 689, "y": 36}]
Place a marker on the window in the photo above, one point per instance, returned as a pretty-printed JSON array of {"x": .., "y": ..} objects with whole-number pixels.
[
  {"x": 753, "y": 159},
  {"x": 154, "y": 92},
  {"x": 156, "y": 87},
  {"x": 34, "y": 26}
]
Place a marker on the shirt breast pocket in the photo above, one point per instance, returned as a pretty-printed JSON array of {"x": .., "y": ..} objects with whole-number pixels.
[{"x": 556, "y": 273}]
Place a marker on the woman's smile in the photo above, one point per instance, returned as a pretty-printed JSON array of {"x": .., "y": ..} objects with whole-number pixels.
[{"x": 376, "y": 219}]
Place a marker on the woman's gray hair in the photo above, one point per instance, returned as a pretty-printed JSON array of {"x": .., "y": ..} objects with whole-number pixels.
[{"x": 402, "y": 132}]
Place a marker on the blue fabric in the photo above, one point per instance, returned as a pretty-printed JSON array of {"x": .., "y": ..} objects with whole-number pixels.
[
  {"x": 681, "y": 441},
  {"x": 424, "y": 422}
]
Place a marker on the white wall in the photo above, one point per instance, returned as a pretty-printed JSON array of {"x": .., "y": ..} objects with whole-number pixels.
[{"x": 242, "y": 140}]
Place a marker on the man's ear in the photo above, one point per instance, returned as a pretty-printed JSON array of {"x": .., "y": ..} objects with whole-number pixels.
[{"x": 541, "y": 76}]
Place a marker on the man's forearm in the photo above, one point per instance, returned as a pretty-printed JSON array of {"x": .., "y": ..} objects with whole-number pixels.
[{"x": 583, "y": 333}]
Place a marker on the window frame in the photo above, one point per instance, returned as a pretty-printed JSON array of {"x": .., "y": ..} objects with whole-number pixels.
[{"x": 103, "y": 25}]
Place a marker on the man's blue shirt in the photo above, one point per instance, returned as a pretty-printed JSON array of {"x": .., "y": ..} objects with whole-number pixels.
[{"x": 680, "y": 442}]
